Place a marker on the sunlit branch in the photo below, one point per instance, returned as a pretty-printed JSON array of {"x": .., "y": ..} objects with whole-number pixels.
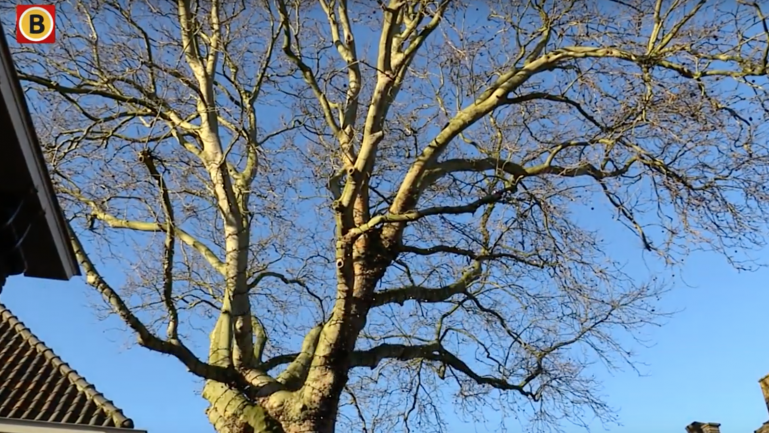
[
  {"x": 518, "y": 171},
  {"x": 294, "y": 375},
  {"x": 426, "y": 294},
  {"x": 147, "y": 226}
]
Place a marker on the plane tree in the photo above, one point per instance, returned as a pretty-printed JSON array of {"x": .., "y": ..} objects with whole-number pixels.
[{"x": 370, "y": 210}]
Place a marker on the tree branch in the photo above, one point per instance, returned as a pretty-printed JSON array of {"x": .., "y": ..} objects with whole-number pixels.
[
  {"x": 518, "y": 171},
  {"x": 189, "y": 41},
  {"x": 347, "y": 50},
  {"x": 407, "y": 55},
  {"x": 146, "y": 338},
  {"x": 172, "y": 332},
  {"x": 481, "y": 257},
  {"x": 746, "y": 69},
  {"x": 495, "y": 95},
  {"x": 260, "y": 340},
  {"x": 436, "y": 352},
  {"x": 164, "y": 113},
  {"x": 414, "y": 215},
  {"x": 553, "y": 98},
  {"x": 288, "y": 281},
  {"x": 409, "y": 190},
  {"x": 294, "y": 375},
  {"x": 307, "y": 73},
  {"x": 146, "y": 226},
  {"x": 428, "y": 295}
]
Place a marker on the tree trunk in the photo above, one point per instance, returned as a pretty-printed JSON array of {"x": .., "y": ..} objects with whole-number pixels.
[{"x": 230, "y": 412}]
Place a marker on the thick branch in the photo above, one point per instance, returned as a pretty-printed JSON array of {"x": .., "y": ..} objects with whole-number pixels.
[
  {"x": 347, "y": 49},
  {"x": 518, "y": 171},
  {"x": 425, "y": 294},
  {"x": 436, "y": 352},
  {"x": 390, "y": 27},
  {"x": 260, "y": 340},
  {"x": 189, "y": 41},
  {"x": 294, "y": 375},
  {"x": 216, "y": 35},
  {"x": 405, "y": 58},
  {"x": 747, "y": 69},
  {"x": 492, "y": 98}
]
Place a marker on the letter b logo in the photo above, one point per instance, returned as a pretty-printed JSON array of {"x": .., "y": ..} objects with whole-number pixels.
[{"x": 35, "y": 24}]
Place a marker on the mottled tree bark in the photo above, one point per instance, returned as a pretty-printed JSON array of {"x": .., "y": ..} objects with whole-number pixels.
[{"x": 230, "y": 412}]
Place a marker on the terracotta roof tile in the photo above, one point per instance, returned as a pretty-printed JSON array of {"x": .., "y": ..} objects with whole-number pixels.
[{"x": 36, "y": 385}]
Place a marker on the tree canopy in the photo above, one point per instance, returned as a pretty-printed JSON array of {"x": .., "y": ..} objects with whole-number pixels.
[{"x": 370, "y": 208}]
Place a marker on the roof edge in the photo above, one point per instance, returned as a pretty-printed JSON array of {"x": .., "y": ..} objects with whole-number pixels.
[
  {"x": 24, "y": 425},
  {"x": 28, "y": 141},
  {"x": 76, "y": 379}
]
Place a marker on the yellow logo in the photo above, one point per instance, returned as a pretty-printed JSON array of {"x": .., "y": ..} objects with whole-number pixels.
[{"x": 35, "y": 24}]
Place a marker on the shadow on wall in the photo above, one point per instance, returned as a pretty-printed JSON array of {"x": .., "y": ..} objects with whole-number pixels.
[{"x": 712, "y": 427}]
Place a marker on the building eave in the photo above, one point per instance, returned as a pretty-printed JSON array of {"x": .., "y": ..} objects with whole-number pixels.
[
  {"x": 8, "y": 425},
  {"x": 49, "y": 228}
]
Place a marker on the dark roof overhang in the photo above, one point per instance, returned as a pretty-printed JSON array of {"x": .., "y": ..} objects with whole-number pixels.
[{"x": 36, "y": 242}]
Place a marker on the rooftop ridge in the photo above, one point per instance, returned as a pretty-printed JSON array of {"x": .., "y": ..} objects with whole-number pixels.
[{"x": 80, "y": 383}]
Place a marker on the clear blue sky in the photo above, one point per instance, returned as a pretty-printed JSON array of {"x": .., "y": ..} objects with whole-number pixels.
[{"x": 704, "y": 365}]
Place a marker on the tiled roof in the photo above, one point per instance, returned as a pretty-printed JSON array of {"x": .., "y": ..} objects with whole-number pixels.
[{"x": 36, "y": 385}]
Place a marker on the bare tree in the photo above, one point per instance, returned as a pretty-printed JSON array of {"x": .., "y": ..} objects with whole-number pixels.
[{"x": 375, "y": 207}]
